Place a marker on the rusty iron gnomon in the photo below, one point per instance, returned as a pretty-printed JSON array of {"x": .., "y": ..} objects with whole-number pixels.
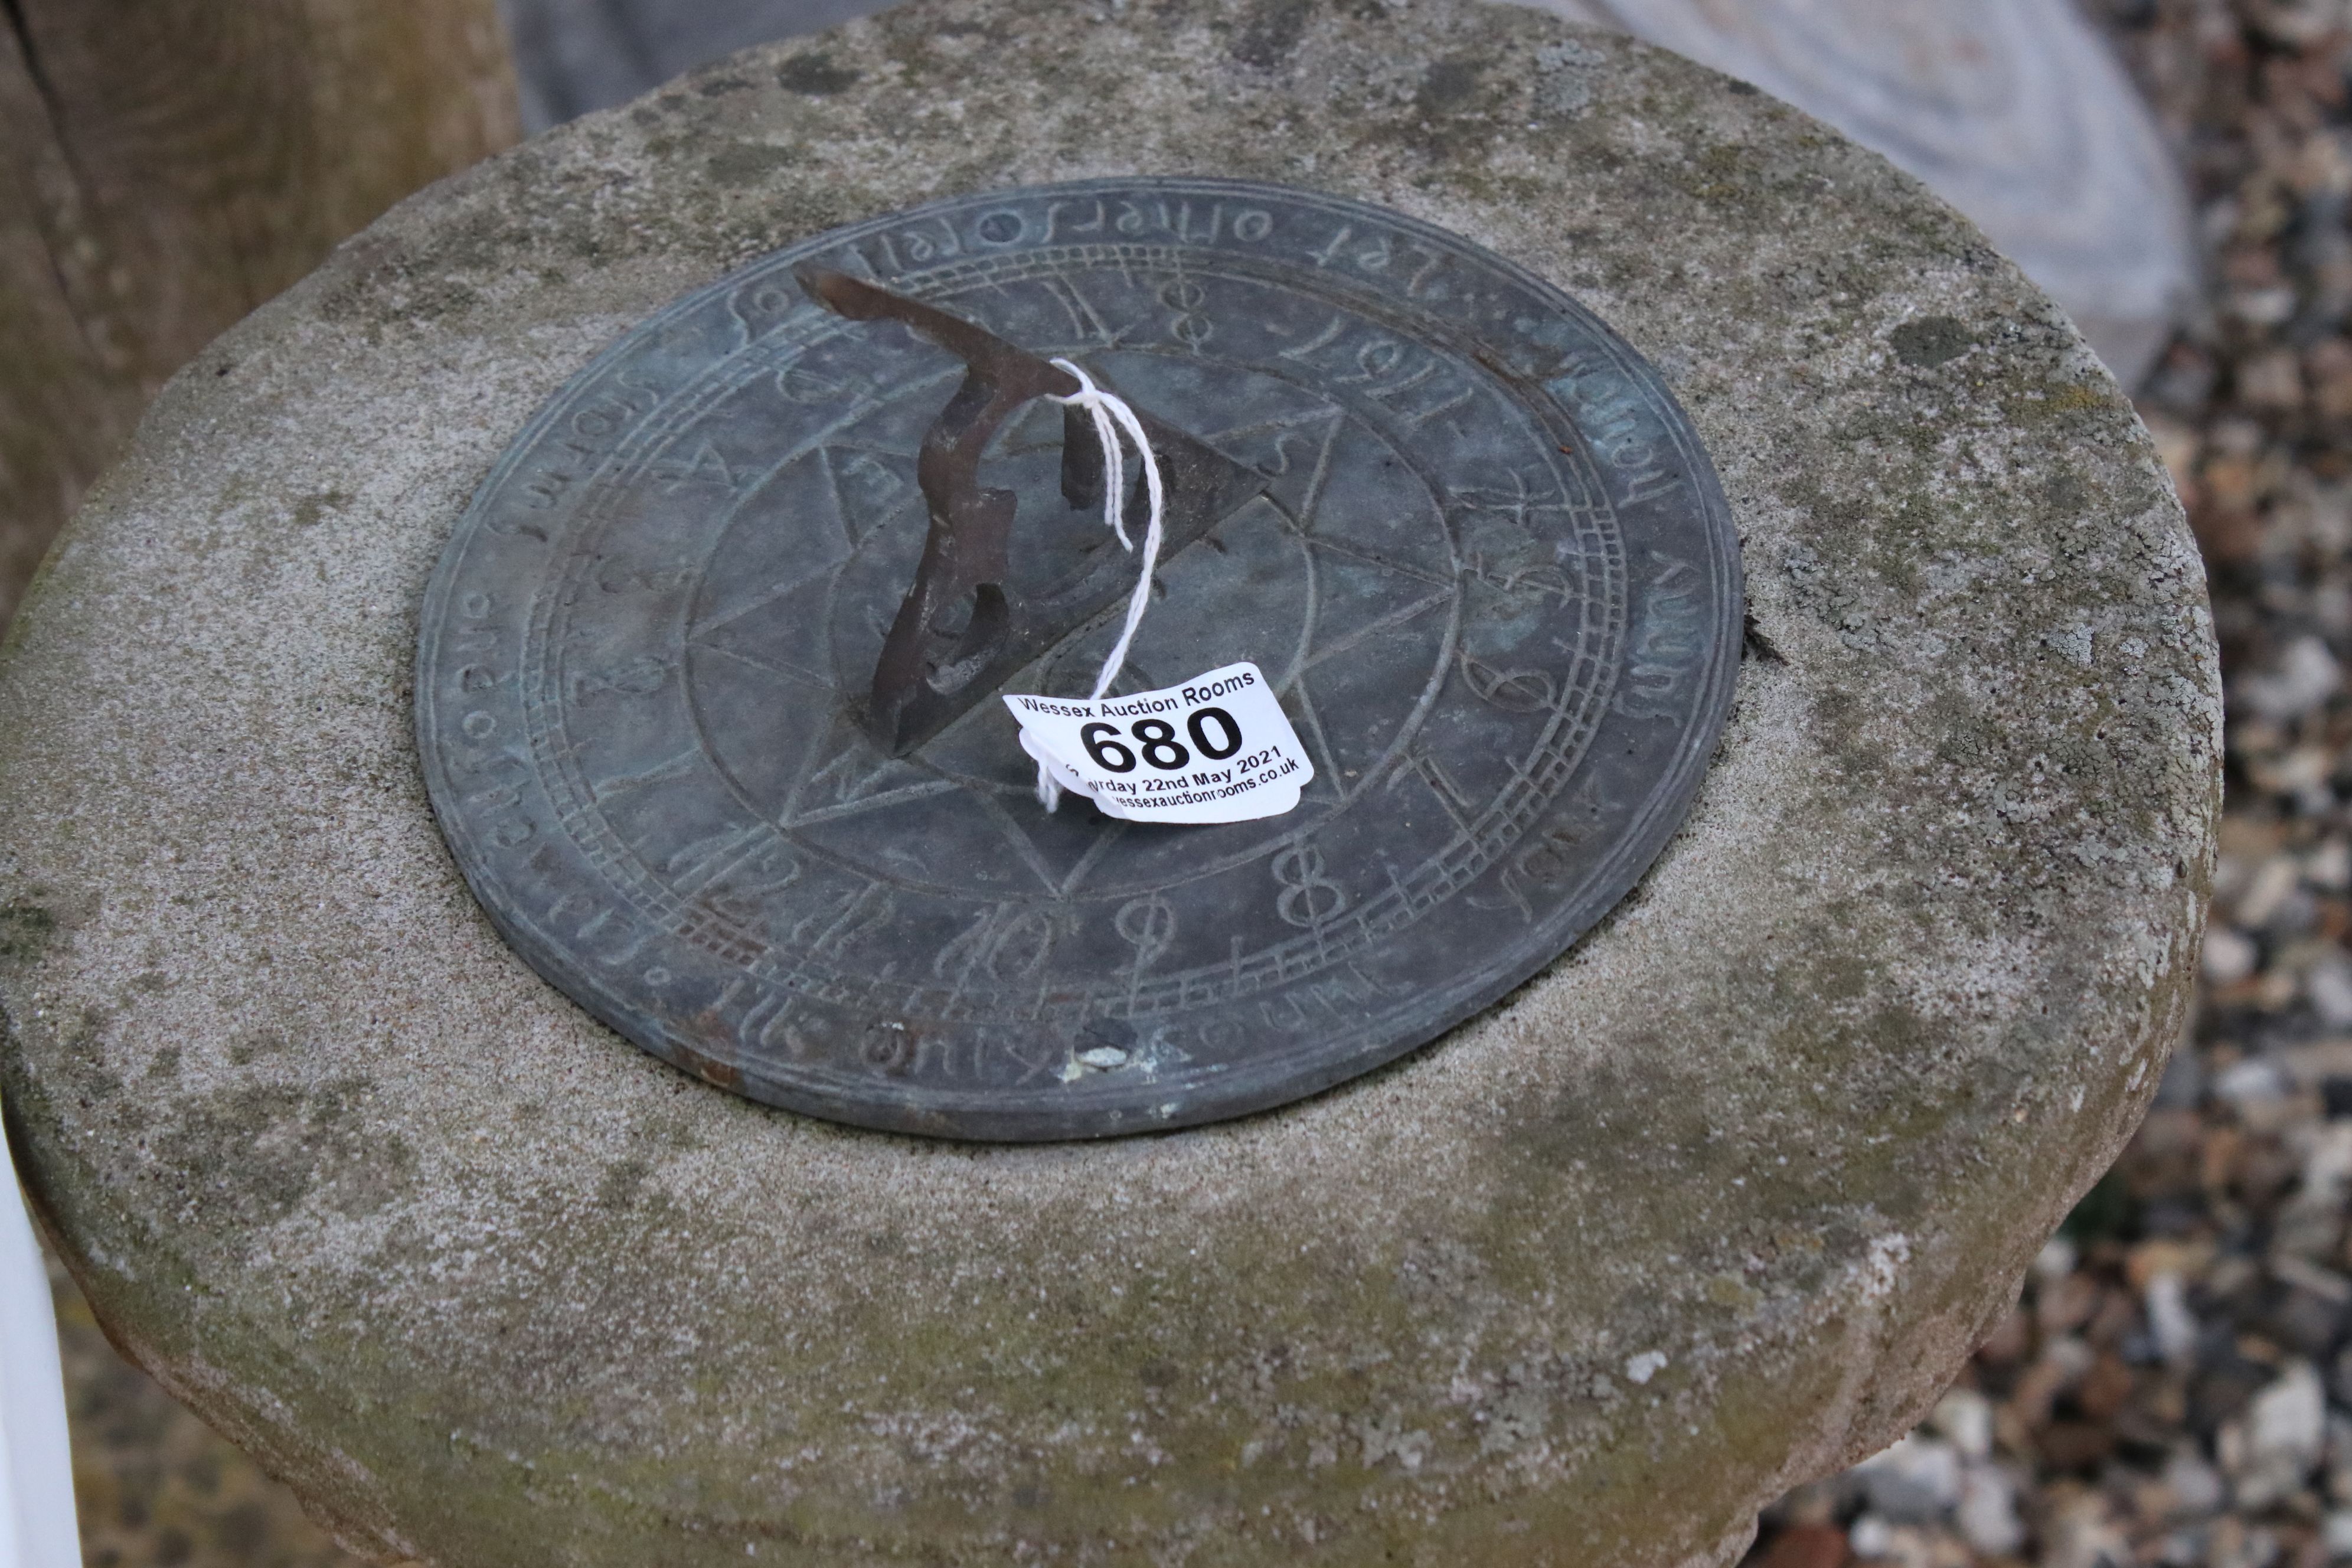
[{"x": 963, "y": 630}]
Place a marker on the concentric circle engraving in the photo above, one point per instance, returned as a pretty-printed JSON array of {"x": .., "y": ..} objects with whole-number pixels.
[{"x": 1490, "y": 575}]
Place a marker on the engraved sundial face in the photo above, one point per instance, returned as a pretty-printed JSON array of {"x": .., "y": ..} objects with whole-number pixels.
[{"x": 1481, "y": 557}]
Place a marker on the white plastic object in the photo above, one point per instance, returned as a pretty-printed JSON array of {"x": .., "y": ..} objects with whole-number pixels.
[{"x": 37, "y": 1528}]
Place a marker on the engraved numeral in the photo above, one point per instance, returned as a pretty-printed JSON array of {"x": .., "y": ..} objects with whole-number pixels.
[
  {"x": 1309, "y": 898},
  {"x": 1428, "y": 770},
  {"x": 1318, "y": 343},
  {"x": 869, "y": 907},
  {"x": 1008, "y": 942}
]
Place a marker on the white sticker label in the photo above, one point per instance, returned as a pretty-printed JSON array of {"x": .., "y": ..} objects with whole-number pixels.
[{"x": 1216, "y": 749}]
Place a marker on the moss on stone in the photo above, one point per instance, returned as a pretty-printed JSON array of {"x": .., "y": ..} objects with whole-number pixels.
[{"x": 490, "y": 1287}]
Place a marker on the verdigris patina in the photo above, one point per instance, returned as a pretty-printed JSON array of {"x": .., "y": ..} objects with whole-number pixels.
[
  {"x": 1713, "y": 1203},
  {"x": 720, "y": 773}
]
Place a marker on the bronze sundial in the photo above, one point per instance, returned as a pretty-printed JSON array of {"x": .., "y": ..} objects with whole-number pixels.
[{"x": 708, "y": 682}]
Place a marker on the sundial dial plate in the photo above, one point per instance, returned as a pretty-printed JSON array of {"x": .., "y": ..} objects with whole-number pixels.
[{"x": 1488, "y": 569}]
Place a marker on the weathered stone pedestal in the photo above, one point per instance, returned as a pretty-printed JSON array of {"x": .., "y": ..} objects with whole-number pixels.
[{"x": 1718, "y": 1202}]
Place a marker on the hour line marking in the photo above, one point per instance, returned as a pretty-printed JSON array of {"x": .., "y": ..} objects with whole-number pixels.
[
  {"x": 773, "y": 667},
  {"x": 662, "y": 772},
  {"x": 832, "y": 564},
  {"x": 1285, "y": 422},
  {"x": 849, "y": 785},
  {"x": 1319, "y": 480},
  {"x": 1022, "y": 843},
  {"x": 1373, "y": 558},
  {"x": 736, "y": 848},
  {"x": 1095, "y": 851},
  {"x": 1327, "y": 761},
  {"x": 1389, "y": 622},
  {"x": 810, "y": 768},
  {"x": 759, "y": 601},
  {"x": 1420, "y": 765},
  {"x": 823, "y": 437},
  {"x": 859, "y": 806},
  {"x": 1085, "y": 320}
]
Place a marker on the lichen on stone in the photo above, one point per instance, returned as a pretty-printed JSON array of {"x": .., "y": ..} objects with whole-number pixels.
[{"x": 491, "y": 1286}]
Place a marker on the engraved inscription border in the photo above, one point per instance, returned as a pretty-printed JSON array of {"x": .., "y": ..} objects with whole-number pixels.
[{"x": 1492, "y": 576}]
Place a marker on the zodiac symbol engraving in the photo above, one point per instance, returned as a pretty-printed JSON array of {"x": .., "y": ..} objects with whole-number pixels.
[
  {"x": 1147, "y": 924},
  {"x": 1512, "y": 691},
  {"x": 1185, "y": 298}
]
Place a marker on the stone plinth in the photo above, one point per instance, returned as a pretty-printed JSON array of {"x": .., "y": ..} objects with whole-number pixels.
[{"x": 1716, "y": 1204}]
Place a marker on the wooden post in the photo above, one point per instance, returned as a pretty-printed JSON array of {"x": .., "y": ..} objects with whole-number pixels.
[{"x": 166, "y": 166}]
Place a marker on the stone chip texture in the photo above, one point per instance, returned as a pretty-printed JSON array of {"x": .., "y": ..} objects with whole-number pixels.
[{"x": 1717, "y": 1202}]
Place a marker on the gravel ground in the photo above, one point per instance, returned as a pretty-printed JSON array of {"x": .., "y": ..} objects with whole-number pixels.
[
  {"x": 155, "y": 1487},
  {"x": 2175, "y": 1386}
]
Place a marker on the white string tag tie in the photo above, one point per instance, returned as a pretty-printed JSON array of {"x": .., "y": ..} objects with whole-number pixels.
[
  {"x": 1218, "y": 748},
  {"x": 1112, "y": 415}
]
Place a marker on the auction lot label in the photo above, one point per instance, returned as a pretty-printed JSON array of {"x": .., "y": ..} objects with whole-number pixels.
[{"x": 1217, "y": 748}]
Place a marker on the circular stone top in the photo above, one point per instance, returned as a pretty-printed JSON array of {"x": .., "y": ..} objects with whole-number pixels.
[
  {"x": 1456, "y": 527},
  {"x": 1714, "y": 1203}
]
